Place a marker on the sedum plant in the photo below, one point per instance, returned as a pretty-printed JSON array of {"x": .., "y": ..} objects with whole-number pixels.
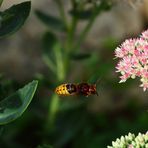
[
  {"x": 131, "y": 141},
  {"x": 13, "y": 18},
  {"x": 133, "y": 59},
  {"x": 13, "y": 106}
]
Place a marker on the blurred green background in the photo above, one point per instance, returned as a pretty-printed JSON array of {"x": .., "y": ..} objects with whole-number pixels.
[{"x": 72, "y": 42}]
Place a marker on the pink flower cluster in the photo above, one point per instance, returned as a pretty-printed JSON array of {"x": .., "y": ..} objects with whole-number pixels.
[{"x": 133, "y": 59}]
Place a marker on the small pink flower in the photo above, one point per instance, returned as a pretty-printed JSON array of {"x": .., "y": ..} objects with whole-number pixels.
[
  {"x": 133, "y": 59},
  {"x": 145, "y": 35}
]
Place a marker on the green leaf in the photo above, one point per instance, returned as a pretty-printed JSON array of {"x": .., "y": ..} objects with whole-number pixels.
[
  {"x": 13, "y": 106},
  {"x": 1, "y": 2},
  {"x": 13, "y": 18},
  {"x": 51, "y": 21},
  {"x": 80, "y": 56}
]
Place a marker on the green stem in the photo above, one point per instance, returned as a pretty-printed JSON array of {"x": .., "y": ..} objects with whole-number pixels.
[
  {"x": 53, "y": 107},
  {"x": 71, "y": 28},
  {"x": 59, "y": 70},
  {"x": 84, "y": 33},
  {"x": 60, "y": 63},
  {"x": 1, "y": 2},
  {"x": 71, "y": 34},
  {"x": 62, "y": 12},
  {"x": 54, "y": 104}
]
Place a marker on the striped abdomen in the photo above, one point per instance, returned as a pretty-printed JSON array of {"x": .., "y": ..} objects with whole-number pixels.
[{"x": 66, "y": 89}]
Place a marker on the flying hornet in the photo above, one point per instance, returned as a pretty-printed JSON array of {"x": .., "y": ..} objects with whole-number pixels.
[{"x": 70, "y": 89}]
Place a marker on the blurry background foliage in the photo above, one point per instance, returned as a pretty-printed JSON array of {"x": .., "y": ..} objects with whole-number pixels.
[{"x": 66, "y": 47}]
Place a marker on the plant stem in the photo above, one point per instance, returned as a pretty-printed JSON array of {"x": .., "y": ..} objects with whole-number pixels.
[
  {"x": 85, "y": 32},
  {"x": 71, "y": 33},
  {"x": 53, "y": 107},
  {"x": 62, "y": 12},
  {"x": 69, "y": 42},
  {"x": 71, "y": 28},
  {"x": 60, "y": 71},
  {"x": 60, "y": 63},
  {"x": 1, "y": 2}
]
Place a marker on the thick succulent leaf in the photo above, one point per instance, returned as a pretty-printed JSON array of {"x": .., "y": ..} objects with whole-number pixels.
[
  {"x": 13, "y": 18},
  {"x": 52, "y": 22},
  {"x": 13, "y": 106}
]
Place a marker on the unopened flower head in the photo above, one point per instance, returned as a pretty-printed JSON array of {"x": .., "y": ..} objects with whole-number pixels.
[
  {"x": 133, "y": 59},
  {"x": 131, "y": 141}
]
